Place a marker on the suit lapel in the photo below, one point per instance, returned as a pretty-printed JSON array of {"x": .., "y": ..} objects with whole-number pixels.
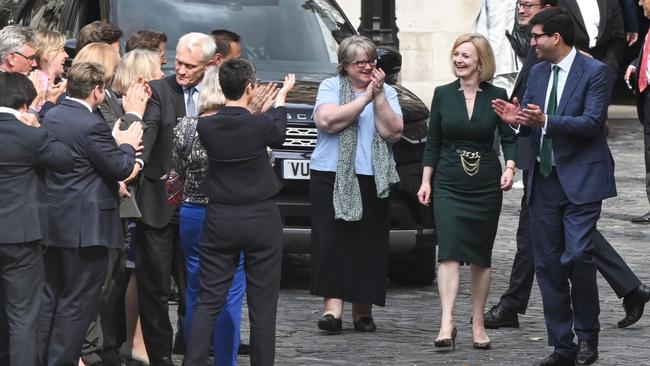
[
  {"x": 575, "y": 73},
  {"x": 573, "y": 7},
  {"x": 177, "y": 99},
  {"x": 602, "y": 23}
]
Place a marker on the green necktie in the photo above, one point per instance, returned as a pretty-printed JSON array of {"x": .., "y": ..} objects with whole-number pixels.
[{"x": 545, "y": 153}]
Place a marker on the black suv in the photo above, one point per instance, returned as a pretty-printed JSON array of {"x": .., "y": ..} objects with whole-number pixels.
[{"x": 299, "y": 36}]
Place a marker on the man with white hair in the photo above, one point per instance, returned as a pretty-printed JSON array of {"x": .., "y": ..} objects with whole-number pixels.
[
  {"x": 17, "y": 53},
  {"x": 158, "y": 245}
]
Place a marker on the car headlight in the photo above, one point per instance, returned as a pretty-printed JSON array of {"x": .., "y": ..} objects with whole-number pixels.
[{"x": 416, "y": 131}]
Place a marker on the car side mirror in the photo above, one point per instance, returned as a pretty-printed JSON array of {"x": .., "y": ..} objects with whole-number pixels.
[{"x": 390, "y": 60}]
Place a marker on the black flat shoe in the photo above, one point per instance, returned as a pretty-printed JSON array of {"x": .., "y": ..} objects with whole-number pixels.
[
  {"x": 500, "y": 317},
  {"x": 330, "y": 324},
  {"x": 446, "y": 342},
  {"x": 634, "y": 304},
  {"x": 365, "y": 324}
]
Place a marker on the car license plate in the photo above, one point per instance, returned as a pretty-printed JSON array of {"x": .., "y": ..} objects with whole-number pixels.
[{"x": 295, "y": 169}]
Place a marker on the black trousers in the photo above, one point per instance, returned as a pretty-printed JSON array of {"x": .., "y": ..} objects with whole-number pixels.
[
  {"x": 256, "y": 230},
  {"x": 21, "y": 286},
  {"x": 73, "y": 284},
  {"x": 108, "y": 331},
  {"x": 609, "y": 263},
  {"x": 158, "y": 257},
  {"x": 646, "y": 140}
]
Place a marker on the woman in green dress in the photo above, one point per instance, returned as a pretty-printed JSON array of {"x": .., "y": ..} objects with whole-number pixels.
[{"x": 465, "y": 174}]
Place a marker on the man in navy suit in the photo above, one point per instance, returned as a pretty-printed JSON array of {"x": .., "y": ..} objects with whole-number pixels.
[
  {"x": 572, "y": 171},
  {"x": 83, "y": 213},
  {"x": 611, "y": 265},
  {"x": 27, "y": 150}
]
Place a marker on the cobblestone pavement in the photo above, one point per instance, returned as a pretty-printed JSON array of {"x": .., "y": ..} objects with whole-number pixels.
[{"x": 409, "y": 323}]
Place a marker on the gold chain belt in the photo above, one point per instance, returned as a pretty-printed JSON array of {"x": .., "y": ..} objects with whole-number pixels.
[{"x": 470, "y": 161}]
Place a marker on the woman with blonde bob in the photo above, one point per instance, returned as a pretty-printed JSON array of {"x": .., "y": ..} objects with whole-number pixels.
[
  {"x": 138, "y": 64},
  {"x": 100, "y": 53},
  {"x": 50, "y": 56},
  {"x": 465, "y": 174}
]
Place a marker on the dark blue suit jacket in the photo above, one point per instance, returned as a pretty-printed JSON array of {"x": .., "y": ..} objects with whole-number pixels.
[
  {"x": 83, "y": 204},
  {"x": 25, "y": 153},
  {"x": 583, "y": 162}
]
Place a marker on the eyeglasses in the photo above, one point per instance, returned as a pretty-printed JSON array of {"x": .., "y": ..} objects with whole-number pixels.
[
  {"x": 363, "y": 63},
  {"x": 28, "y": 58},
  {"x": 536, "y": 36},
  {"x": 527, "y": 6}
]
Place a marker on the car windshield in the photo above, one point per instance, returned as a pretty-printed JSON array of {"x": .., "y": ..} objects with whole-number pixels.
[{"x": 279, "y": 36}]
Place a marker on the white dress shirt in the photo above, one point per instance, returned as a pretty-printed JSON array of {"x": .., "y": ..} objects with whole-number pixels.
[{"x": 591, "y": 17}]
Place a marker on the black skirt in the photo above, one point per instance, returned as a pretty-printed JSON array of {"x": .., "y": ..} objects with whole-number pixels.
[{"x": 348, "y": 259}]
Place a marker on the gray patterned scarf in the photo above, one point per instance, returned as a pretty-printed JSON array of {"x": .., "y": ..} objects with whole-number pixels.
[{"x": 347, "y": 194}]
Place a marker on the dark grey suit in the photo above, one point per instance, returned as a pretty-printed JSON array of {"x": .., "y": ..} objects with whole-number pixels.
[
  {"x": 84, "y": 222},
  {"x": 610, "y": 44},
  {"x": 158, "y": 245},
  {"x": 25, "y": 153}
]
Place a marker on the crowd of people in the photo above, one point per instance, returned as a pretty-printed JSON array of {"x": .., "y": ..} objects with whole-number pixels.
[{"x": 117, "y": 178}]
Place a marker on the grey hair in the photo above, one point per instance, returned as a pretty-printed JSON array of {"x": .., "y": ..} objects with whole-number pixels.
[
  {"x": 211, "y": 97},
  {"x": 13, "y": 38},
  {"x": 352, "y": 47},
  {"x": 196, "y": 39}
]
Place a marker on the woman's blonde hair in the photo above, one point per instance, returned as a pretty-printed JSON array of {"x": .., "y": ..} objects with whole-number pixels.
[
  {"x": 100, "y": 53},
  {"x": 352, "y": 47},
  {"x": 483, "y": 51},
  {"x": 47, "y": 43},
  {"x": 138, "y": 63},
  {"x": 211, "y": 97}
]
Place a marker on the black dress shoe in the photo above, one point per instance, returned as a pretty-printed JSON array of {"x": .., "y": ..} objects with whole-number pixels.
[
  {"x": 634, "y": 303},
  {"x": 556, "y": 359},
  {"x": 587, "y": 351},
  {"x": 500, "y": 317},
  {"x": 645, "y": 219},
  {"x": 365, "y": 324},
  {"x": 330, "y": 324}
]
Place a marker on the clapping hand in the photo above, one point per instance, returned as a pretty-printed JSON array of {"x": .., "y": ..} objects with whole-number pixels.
[
  {"x": 136, "y": 97},
  {"x": 508, "y": 112},
  {"x": 131, "y": 136},
  {"x": 377, "y": 78},
  {"x": 54, "y": 91},
  {"x": 263, "y": 98},
  {"x": 29, "y": 119},
  {"x": 289, "y": 82}
]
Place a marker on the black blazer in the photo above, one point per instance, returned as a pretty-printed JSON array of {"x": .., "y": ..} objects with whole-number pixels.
[
  {"x": 25, "y": 152},
  {"x": 610, "y": 46},
  {"x": 164, "y": 108},
  {"x": 523, "y": 138},
  {"x": 239, "y": 171},
  {"x": 83, "y": 204}
]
